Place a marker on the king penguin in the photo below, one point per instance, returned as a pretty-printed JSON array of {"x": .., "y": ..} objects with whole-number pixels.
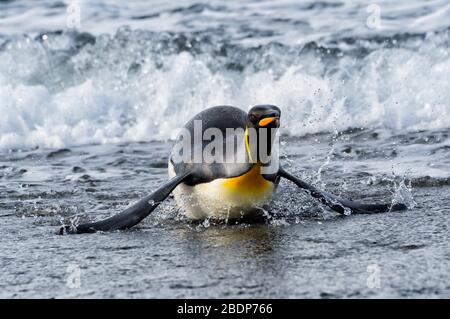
[
  {"x": 224, "y": 166},
  {"x": 232, "y": 187}
]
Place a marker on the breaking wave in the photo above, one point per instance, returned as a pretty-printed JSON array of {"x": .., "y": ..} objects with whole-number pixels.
[{"x": 61, "y": 89}]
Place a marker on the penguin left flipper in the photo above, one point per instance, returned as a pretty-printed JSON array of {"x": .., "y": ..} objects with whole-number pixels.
[
  {"x": 130, "y": 216},
  {"x": 338, "y": 204}
]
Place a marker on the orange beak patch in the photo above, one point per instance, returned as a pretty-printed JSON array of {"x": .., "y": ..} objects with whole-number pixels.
[{"x": 266, "y": 121}]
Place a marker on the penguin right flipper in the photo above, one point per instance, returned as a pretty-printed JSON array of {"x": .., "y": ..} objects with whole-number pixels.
[
  {"x": 130, "y": 216},
  {"x": 338, "y": 204}
]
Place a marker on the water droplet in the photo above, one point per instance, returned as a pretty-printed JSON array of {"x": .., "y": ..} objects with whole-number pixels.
[{"x": 206, "y": 223}]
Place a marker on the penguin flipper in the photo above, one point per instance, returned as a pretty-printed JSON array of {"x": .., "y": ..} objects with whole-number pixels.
[
  {"x": 130, "y": 216},
  {"x": 338, "y": 204}
]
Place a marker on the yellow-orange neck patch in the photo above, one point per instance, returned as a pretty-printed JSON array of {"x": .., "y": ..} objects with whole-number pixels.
[
  {"x": 247, "y": 146},
  {"x": 250, "y": 182}
]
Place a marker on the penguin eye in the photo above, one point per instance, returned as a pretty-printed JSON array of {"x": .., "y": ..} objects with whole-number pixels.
[{"x": 252, "y": 118}]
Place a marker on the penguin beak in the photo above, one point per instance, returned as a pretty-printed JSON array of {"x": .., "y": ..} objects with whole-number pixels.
[{"x": 266, "y": 121}]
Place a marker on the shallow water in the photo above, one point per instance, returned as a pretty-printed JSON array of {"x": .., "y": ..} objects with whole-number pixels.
[
  {"x": 87, "y": 116},
  {"x": 303, "y": 251}
]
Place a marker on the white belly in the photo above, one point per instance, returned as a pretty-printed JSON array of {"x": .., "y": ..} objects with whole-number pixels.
[{"x": 224, "y": 198}]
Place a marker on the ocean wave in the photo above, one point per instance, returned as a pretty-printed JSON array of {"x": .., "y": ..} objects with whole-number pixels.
[{"x": 62, "y": 89}]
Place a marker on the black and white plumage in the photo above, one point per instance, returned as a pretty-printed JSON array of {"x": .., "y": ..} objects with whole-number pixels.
[{"x": 228, "y": 189}]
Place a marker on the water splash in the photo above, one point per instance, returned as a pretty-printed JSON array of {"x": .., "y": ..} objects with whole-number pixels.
[
  {"x": 324, "y": 164},
  {"x": 403, "y": 194}
]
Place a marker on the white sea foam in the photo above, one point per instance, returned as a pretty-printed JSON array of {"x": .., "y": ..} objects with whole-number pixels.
[{"x": 75, "y": 89}]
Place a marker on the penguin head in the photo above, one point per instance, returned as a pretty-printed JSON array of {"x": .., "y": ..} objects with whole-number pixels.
[
  {"x": 267, "y": 116},
  {"x": 263, "y": 122}
]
